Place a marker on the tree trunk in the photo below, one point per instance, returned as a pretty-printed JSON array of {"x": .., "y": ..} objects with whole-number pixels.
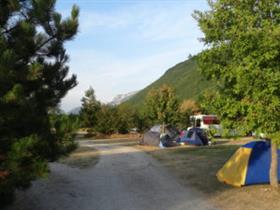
[
  {"x": 162, "y": 129},
  {"x": 274, "y": 166}
]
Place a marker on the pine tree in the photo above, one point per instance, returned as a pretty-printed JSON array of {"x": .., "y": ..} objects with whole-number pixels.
[
  {"x": 90, "y": 108},
  {"x": 33, "y": 79}
]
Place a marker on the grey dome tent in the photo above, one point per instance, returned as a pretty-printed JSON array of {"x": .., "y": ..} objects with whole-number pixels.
[
  {"x": 194, "y": 136},
  {"x": 152, "y": 137}
]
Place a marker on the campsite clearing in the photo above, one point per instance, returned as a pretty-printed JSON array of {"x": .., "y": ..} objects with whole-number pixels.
[
  {"x": 141, "y": 182},
  {"x": 197, "y": 167},
  {"x": 86, "y": 157},
  {"x": 124, "y": 178}
]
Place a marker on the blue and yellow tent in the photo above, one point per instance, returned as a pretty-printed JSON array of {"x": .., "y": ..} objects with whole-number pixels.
[{"x": 249, "y": 165}]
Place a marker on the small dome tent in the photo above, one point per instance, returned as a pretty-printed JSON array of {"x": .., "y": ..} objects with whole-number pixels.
[
  {"x": 153, "y": 137},
  {"x": 249, "y": 165},
  {"x": 194, "y": 136}
]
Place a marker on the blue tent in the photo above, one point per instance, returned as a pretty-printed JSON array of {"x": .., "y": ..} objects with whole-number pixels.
[
  {"x": 194, "y": 136},
  {"x": 249, "y": 165}
]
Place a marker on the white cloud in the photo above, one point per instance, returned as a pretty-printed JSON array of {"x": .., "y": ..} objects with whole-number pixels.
[{"x": 152, "y": 23}]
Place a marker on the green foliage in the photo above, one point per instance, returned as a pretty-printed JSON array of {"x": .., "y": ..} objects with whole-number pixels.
[
  {"x": 184, "y": 78},
  {"x": 126, "y": 118},
  {"x": 142, "y": 121},
  {"x": 107, "y": 119},
  {"x": 20, "y": 159},
  {"x": 64, "y": 129},
  {"x": 243, "y": 58},
  {"x": 90, "y": 108},
  {"x": 117, "y": 119},
  {"x": 162, "y": 105},
  {"x": 33, "y": 79},
  {"x": 187, "y": 108}
]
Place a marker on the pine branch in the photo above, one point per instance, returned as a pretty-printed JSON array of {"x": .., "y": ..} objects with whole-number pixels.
[{"x": 6, "y": 30}]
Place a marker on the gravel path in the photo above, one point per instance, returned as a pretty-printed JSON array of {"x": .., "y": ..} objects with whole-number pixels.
[{"x": 125, "y": 178}]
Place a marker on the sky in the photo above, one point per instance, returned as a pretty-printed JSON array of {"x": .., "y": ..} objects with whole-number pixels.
[{"x": 124, "y": 45}]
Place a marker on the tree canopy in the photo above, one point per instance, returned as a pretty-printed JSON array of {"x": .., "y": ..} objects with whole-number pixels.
[
  {"x": 162, "y": 105},
  {"x": 33, "y": 79},
  {"x": 243, "y": 57}
]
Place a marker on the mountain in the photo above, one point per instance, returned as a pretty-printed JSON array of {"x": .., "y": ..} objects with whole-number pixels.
[
  {"x": 183, "y": 77},
  {"x": 118, "y": 99}
]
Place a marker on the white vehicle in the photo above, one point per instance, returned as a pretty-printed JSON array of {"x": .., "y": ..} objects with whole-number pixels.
[{"x": 207, "y": 122}]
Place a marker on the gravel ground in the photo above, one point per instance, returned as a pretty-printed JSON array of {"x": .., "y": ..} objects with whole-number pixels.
[{"x": 125, "y": 178}]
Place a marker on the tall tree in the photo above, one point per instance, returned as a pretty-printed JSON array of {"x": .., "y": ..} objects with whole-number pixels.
[
  {"x": 107, "y": 119},
  {"x": 187, "y": 108},
  {"x": 243, "y": 57},
  {"x": 90, "y": 108},
  {"x": 126, "y": 118},
  {"x": 33, "y": 79},
  {"x": 162, "y": 105}
]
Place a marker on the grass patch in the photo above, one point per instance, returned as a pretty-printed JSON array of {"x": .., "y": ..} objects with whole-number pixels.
[
  {"x": 83, "y": 157},
  {"x": 210, "y": 152},
  {"x": 196, "y": 166}
]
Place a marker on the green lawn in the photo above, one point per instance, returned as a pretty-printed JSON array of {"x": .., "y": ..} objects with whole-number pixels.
[{"x": 197, "y": 166}]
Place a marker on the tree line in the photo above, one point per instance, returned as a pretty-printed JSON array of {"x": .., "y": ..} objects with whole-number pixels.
[
  {"x": 161, "y": 107},
  {"x": 106, "y": 118}
]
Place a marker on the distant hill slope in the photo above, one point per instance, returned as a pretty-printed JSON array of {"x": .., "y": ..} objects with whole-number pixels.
[
  {"x": 183, "y": 77},
  {"x": 120, "y": 98}
]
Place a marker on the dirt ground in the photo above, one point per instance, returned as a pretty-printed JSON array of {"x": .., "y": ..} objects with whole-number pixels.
[
  {"x": 82, "y": 133},
  {"x": 117, "y": 177},
  {"x": 119, "y": 169},
  {"x": 197, "y": 167},
  {"x": 83, "y": 157}
]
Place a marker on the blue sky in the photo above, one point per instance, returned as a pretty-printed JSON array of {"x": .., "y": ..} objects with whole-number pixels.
[{"x": 124, "y": 45}]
